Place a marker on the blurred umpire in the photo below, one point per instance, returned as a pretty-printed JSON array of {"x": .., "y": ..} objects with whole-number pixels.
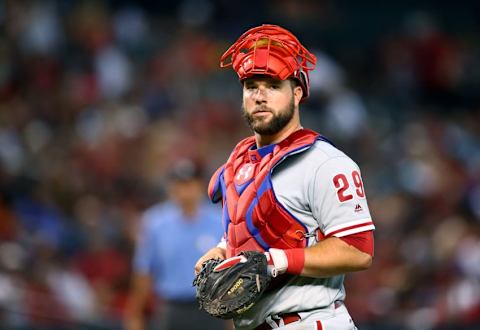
[{"x": 173, "y": 235}]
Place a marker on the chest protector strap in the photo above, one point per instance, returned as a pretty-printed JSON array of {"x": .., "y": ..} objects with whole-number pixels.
[{"x": 253, "y": 218}]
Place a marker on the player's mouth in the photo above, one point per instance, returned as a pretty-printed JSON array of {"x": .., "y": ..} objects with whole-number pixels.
[{"x": 261, "y": 112}]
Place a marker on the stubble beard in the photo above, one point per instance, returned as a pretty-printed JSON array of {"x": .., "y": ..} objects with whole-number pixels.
[{"x": 272, "y": 126}]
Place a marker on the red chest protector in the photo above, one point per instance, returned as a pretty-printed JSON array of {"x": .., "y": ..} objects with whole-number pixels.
[{"x": 253, "y": 219}]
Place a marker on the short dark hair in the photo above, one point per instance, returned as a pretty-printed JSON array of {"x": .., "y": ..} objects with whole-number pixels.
[
  {"x": 296, "y": 82},
  {"x": 185, "y": 169}
]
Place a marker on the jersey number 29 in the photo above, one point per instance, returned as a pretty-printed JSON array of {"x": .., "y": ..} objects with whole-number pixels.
[{"x": 342, "y": 186}]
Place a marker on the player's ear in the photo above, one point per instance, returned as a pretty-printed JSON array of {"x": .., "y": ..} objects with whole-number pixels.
[{"x": 297, "y": 94}]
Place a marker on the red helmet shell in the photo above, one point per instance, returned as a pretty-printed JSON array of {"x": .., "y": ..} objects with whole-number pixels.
[{"x": 270, "y": 50}]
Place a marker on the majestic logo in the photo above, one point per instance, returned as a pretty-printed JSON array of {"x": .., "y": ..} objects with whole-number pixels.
[
  {"x": 358, "y": 208},
  {"x": 244, "y": 174}
]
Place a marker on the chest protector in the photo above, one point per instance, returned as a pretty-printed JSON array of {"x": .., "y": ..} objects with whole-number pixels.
[{"x": 253, "y": 218}]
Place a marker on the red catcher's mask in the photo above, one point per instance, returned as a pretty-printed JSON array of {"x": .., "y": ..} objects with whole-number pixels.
[{"x": 273, "y": 51}]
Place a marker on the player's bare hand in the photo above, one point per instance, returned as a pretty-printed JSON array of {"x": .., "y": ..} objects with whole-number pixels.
[{"x": 215, "y": 253}]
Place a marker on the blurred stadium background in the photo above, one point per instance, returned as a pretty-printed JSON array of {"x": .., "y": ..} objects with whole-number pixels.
[{"x": 98, "y": 98}]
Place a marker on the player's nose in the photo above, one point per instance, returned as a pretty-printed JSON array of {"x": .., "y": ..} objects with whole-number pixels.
[{"x": 260, "y": 94}]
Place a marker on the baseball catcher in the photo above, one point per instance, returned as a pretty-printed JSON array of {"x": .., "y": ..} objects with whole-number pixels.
[{"x": 289, "y": 194}]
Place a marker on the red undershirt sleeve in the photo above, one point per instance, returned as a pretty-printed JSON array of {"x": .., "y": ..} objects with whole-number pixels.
[{"x": 363, "y": 241}]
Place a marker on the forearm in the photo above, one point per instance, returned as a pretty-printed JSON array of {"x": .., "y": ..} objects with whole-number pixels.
[
  {"x": 333, "y": 256},
  {"x": 329, "y": 257},
  {"x": 133, "y": 322},
  {"x": 137, "y": 300},
  {"x": 134, "y": 309}
]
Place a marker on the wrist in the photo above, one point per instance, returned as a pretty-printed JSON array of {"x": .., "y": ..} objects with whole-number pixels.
[
  {"x": 286, "y": 261},
  {"x": 296, "y": 260}
]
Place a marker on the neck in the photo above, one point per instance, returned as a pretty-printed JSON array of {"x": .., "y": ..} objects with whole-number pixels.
[
  {"x": 264, "y": 140},
  {"x": 189, "y": 209}
]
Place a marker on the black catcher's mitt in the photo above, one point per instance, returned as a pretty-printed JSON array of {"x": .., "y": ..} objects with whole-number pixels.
[{"x": 227, "y": 288}]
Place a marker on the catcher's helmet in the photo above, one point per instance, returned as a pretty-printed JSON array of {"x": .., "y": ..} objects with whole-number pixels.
[{"x": 270, "y": 50}]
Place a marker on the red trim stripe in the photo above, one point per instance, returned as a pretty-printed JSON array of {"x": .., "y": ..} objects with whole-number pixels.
[
  {"x": 319, "y": 325},
  {"x": 351, "y": 227},
  {"x": 229, "y": 263}
]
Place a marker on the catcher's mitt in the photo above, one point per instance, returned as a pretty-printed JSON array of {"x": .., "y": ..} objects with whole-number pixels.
[{"x": 228, "y": 288}]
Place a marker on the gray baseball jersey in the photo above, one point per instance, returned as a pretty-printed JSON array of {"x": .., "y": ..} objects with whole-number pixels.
[{"x": 321, "y": 187}]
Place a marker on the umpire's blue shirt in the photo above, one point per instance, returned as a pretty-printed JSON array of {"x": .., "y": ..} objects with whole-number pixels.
[{"x": 170, "y": 244}]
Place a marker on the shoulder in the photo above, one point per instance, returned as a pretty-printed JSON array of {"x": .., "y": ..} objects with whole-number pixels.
[
  {"x": 207, "y": 208},
  {"x": 158, "y": 213},
  {"x": 321, "y": 159},
  {"x": 321, "y": 162},
  {"x": 323, "y": 154},
  {"x": 323, "y": 150}
]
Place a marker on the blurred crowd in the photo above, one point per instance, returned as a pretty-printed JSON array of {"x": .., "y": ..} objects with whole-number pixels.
[{"x": 99, "y": 98}]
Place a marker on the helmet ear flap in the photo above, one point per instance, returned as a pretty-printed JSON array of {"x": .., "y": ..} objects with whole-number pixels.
[{"x": 304, "y": 83}]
